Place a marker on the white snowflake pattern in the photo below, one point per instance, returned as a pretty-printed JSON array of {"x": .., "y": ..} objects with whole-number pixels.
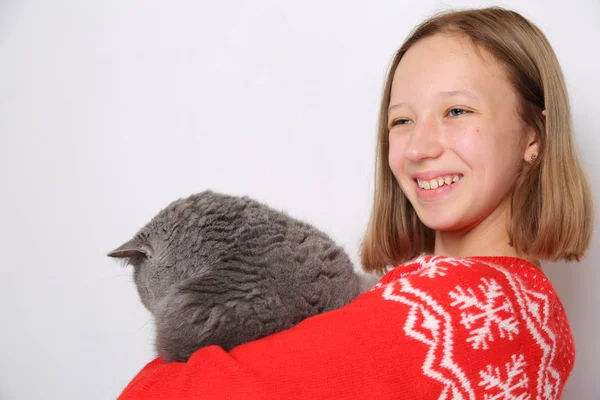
[
  {"x": 510, "y": 386},
  {"x": 438, "y": 265},
  {"x": 536, "y": 320},
  {"x": 434, "y": 270},
  {"x": 494, "y": 309}
]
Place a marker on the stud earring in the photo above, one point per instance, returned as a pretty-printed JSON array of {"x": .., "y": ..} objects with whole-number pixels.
[{"x": 533, "y": 157}]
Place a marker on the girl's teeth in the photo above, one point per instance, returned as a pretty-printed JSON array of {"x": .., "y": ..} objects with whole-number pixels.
[{"x": 438, "y": 182}]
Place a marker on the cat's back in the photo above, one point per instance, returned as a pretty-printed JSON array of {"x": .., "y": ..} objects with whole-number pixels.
[
  {"x": 212, "y": 227},
  {"x": 292, "y": 257},
  {"x": 239, "y": 221}
]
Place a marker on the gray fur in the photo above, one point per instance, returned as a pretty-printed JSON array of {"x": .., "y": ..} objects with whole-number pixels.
[{"x": 221, "y": 270}]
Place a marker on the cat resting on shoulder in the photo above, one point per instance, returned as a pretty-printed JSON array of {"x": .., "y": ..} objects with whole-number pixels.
[{"x": 222, "y": 270}]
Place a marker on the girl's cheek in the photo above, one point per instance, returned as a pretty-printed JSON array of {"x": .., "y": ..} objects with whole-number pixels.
[
  {"x": 470, "y": 140},
  {"x": 394, "y": 154}
]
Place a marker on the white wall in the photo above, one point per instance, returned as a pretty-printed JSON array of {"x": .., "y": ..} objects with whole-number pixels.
[{"x": 110, "y": 109}]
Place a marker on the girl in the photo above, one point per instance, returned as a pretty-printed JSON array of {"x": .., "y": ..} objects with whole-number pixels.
[{"x": 477, "y": 181}]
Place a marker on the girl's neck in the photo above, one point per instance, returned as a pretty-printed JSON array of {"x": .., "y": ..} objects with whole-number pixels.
[{"x": 486, "y": 238}]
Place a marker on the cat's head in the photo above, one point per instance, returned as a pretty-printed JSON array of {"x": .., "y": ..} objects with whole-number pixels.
[{"x": 170, "y": 247}]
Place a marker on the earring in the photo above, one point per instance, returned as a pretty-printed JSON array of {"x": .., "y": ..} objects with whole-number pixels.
[{"x": 533, "y": 157}]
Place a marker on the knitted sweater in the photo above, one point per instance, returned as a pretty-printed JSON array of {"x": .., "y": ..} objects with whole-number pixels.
[{"x": 433, "y": 328}]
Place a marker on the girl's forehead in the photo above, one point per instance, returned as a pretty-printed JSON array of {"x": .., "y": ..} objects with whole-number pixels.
[
  {"x": 448, "y": 63},
  {"x": 447, "y": 55}
]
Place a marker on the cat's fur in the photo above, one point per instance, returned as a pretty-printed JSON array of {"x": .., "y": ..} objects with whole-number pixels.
[{"x": 224, "y": 270}]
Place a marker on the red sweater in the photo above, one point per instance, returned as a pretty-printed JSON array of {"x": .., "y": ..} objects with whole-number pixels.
[{"x": 433, "y": 328}]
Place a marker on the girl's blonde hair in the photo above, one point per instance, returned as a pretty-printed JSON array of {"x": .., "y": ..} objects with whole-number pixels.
[{"x": 551, "y": 205}]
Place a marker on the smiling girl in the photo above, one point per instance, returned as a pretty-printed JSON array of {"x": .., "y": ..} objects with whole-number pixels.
[{"x": 477, "y": 181}]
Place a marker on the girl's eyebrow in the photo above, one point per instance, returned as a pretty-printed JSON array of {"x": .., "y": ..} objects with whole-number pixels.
[
  {"x": 397, "y": 105},
  {"x": 450, "y": 93}
]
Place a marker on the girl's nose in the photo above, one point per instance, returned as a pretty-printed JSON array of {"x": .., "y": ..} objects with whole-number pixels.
[{"x": 424, "y": 142}]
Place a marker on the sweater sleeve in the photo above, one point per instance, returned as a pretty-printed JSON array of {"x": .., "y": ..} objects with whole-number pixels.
[
  {"x": 403, "y": 339},
  {"x": 339, "y": 354}
]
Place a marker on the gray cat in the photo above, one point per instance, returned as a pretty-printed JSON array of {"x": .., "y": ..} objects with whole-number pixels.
[{"x": 221, "y": 270}]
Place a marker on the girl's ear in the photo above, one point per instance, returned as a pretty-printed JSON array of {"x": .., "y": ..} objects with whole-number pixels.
[{"x": 533, "y": 145}]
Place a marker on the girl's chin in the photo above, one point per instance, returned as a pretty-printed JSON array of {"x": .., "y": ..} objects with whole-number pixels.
[
  {"x": 434, "y": 222},
  {"x": 443, "y": 228}
]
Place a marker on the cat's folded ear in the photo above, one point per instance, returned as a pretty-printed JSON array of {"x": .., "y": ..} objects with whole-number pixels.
[{"x": 131, "y": 248}]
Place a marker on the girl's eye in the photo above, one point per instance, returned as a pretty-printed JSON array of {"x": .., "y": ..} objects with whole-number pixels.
[
  {"x": 455, "y": 112},
  {"x": 400, "y": 121}
]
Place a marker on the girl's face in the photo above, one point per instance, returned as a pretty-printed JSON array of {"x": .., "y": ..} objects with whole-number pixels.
[{"x": 456, "y": 140}]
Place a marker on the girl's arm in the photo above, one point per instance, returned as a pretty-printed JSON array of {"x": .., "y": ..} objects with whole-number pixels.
[
  {"x": 357, "y": 351},
  {"x": 461, "y": 331}
]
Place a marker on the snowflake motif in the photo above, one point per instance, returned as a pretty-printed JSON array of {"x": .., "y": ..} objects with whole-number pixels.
[
  {"x": 536, "y": 321},
  {"x": 506, "y": 387},
  {"x": 433, "y": 266},
  {"x": 494, "y": 309},
  {"x": 434, "y": 270}
]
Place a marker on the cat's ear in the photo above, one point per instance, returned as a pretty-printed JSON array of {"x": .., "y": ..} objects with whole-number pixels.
[{"x": 131, "y": 248}]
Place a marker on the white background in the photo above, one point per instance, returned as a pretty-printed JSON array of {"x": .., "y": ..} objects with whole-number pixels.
[{"x": 109, "y": 110}]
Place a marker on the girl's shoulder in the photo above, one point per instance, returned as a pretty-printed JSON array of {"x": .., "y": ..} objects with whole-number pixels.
[
  {"x": 515, "y": 272},
  {"x": 503, "y": 284},
  {"x": 501, "y": 307}
]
